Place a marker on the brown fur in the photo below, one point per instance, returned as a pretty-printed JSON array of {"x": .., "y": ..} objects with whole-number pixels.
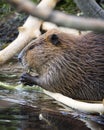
[{"x": 73, "y": 67}]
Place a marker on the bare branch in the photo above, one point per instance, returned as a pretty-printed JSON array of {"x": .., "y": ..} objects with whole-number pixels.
[
  {"x": 61, "y": 18},
  {"x": 48, "y": 26}
]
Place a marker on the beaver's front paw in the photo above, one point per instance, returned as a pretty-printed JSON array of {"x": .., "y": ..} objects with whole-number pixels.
[{"x": 27, "y": 79}]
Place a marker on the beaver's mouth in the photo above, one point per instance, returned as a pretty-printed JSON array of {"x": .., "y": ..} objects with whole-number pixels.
[
  {"x": 28, "y": 68},
  {"x": 32, "y": 71}
]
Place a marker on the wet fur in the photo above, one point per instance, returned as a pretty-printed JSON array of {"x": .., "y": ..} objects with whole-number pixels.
[{"x": 73, "y": 67}]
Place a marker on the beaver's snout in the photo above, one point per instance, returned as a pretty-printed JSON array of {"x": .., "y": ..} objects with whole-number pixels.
[{"x": 19, "y": 58}]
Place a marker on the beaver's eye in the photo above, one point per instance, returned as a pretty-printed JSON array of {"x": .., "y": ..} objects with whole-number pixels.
[
  {"x": 31, "y": 47},
  {"x": 54, "y": 39}
]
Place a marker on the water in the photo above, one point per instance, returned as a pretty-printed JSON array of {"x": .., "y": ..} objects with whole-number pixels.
[{"x": 33, "y": 110}]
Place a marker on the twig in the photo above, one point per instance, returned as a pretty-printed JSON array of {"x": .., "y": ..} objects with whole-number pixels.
[
  {"x": 18, "y": 87},
  {"x": 6, "y": 86}
]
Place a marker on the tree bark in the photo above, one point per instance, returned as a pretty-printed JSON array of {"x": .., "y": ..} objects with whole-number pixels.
[{"x": 90, "y": 8}]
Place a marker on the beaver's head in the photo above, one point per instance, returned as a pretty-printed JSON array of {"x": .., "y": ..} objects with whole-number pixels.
[{"x": 45, "y": 50}]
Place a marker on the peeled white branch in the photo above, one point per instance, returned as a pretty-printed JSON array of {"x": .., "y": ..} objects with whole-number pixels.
[
  {"x": 82, "y": 106},
  {"x": 30, "y": 30},
  {"x": 48, "y": 26}
]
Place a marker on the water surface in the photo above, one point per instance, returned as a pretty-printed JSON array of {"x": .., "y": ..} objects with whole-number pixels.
[{"x": 33, "y": 110}]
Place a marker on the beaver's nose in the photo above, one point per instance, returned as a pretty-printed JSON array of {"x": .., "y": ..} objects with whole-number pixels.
[{"x": 19, "y": 58}]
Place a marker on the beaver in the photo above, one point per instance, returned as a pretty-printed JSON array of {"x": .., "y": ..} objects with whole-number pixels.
[{"x": 66, "y": 64}]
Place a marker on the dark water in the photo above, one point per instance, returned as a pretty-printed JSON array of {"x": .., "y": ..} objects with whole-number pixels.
[{"x": 33, "y": 110}]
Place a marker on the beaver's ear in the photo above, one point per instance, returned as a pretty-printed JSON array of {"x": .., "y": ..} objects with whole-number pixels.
[{"x": 54, "y": 39}]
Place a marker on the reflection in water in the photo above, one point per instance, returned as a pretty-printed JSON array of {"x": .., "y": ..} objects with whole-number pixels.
[{"x": 36, "y": 111}]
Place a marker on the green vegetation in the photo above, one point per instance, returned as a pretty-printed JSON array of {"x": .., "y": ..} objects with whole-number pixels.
[
  {"x": 5, "y": 8},
  {"x": 67, "y": 6}
]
